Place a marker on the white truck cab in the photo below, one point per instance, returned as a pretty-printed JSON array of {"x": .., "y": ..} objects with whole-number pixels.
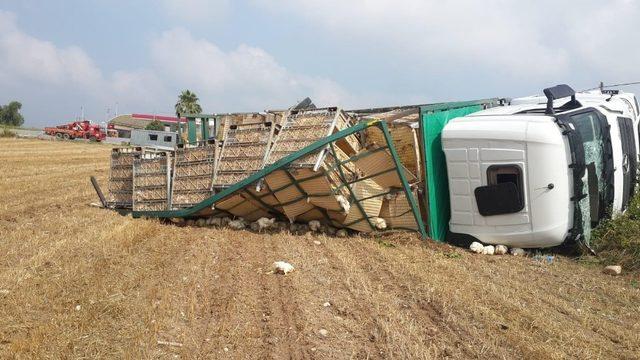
[{"x": 541, "y": 171}]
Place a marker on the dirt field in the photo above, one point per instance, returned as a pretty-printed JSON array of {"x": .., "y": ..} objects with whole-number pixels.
[{"x": 81, "y": 282}]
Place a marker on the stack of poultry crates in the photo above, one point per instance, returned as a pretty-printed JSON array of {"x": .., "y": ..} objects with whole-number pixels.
[
  {"x": 226, "y": 121},
  {"x": 120, "y": 185},
  {"x": 193, "y": 174},
  {"x": 243, "y": 153},
  {"x": 151, "y": 177},
  {"x": 314, "y": 187},
  {"x": 402, "y": 125}
]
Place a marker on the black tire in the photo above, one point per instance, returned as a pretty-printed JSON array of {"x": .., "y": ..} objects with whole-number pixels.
[
  {"x": 66, "y": 136},
  {"x": 59, "y": 136}
]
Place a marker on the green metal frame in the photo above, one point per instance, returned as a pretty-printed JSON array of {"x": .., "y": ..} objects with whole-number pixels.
[
  {"x": 192, "y": 129},
  {"x": 283, "y": 163},
  {"x": 350, "y": 189}
]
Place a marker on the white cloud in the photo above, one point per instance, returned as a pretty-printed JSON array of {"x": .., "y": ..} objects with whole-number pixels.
[
  {"x": 242, "y": 78},
  {"x": 526, "y": 40},
  {"x": 30, "y": 62},
  {"x": 25, "y": 56}
]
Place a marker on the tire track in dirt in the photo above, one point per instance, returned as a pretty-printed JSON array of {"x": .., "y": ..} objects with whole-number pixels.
[
  {"x": 560, "y": 307},
  {"x": 215, "y": 299},
  {"x": 429, "y": 312},
  {"x": 486, "y": 273},
  {"x": 360, "y": 308},
  {"x": 231, "y": 323},
  {"x": 282, "y": 328}
]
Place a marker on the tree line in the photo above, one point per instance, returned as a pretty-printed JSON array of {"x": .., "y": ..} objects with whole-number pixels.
[{"x": 10, "y": 114}]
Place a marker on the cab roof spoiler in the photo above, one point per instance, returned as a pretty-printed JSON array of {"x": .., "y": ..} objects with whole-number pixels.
[{"x": 559, "y": 92}]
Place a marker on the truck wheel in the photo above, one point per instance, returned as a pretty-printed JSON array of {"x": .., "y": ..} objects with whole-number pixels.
[
  {"x": 59, "y": 136},
  {"x": 66, "y": 136}
]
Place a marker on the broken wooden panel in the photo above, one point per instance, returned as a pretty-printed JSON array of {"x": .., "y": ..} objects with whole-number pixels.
[
  {"x": 192, "y": 175},
  {"x": 380, "y": 162},
  {"x": 313, "y": 214},
  {"x": 266, "y": 197},
  {"x": 291, "y": 199},
  {"x": 120, "y": 184},
  {"x": 397, "y": 213},
  {"x": 319, "y": 187},
  {"x": 151, "y": 182},
  {"x": 369, "y": 194},
  {"x": 405, "y": 140},
  {"x": 242, "y": 206}
]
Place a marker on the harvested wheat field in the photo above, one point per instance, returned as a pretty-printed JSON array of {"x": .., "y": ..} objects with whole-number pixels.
[{"x": 82, "y": 282}]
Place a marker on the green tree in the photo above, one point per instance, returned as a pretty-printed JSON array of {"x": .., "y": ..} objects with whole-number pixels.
[
  {"x": 154, "y": 125},
  {"x": 10, "y": 114},
  {"x": 188, "y": 103}
]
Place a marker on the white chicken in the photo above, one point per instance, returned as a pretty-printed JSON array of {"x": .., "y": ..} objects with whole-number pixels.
[
  {"x": 282, "y": 267},
  {"x": 344, "y": 203},
  {"x": 379, "y": 223},
  {"x": 501, "y": 249},
  {"x": 489, "y": 250},
  {"x": 341, "y": 233},
  {"x": 264, "y": 223},
  {"x": 237, "y": 224},
  {"x": 314, "y": 225},
  {"x": 476, "y": 247}
]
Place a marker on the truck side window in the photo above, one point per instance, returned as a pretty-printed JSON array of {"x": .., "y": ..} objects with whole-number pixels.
[
  {"x": 153, "y": 137},
  {"x": 168, "y": 138},
  {"x": 500, "y": 174},
  {"x": 504, "y": 193}
]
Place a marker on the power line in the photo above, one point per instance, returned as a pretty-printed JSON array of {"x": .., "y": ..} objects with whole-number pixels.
[{"x": 614, "y": 85}]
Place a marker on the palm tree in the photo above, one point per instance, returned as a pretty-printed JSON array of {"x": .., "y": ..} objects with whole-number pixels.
[{"x": 188, "y": 103}]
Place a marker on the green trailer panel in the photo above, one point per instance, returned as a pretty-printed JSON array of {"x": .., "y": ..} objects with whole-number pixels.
[{"x": 433, "y": 118}]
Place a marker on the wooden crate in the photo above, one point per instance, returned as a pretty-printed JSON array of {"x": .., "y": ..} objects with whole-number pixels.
[
  {"x": 316, "y": 188},
  {"x": 228, "y": 120},
  {"x": 242, "y": 205},
  {"x": 405, "y": 140},
  {"x": 364, "y": 189},
  {"x": 378, "y": 161},
  {"x": 397, "y": 213}
]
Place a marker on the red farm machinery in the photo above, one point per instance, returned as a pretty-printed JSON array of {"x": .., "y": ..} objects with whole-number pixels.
[{"x": 77, "y": 130}]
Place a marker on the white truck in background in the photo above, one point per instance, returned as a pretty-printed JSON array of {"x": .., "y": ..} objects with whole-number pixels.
[{"x": 542, "y": 171}]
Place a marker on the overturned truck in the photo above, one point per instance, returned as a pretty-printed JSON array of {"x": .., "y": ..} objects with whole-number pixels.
[
  {"x": 528, "y": 172},
  {"x": 364, "y": 170}
]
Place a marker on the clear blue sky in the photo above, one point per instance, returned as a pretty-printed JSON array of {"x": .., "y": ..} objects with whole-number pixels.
[{"x": 252, "y": 55}]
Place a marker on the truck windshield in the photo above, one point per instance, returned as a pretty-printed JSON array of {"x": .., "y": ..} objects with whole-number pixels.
[
  {"x": 591, "y": 146},
  {"x": 592, "y": 129}
]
